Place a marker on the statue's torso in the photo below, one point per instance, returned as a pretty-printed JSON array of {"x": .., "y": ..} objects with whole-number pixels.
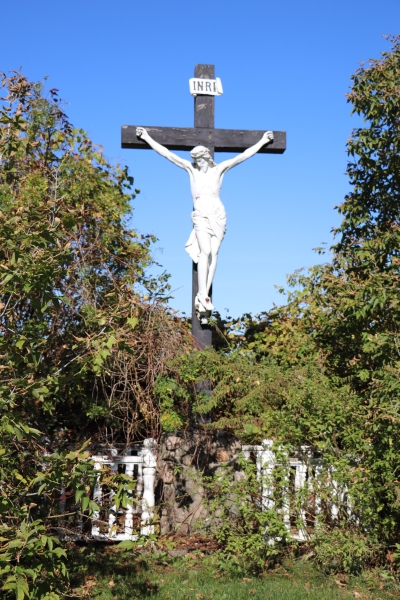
[{"x": 205, "y": 188}]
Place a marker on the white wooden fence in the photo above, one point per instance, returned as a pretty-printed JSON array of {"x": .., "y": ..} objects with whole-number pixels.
[
  {"x": 304, "y": 477},
  {"x": 118, "y": 525}
]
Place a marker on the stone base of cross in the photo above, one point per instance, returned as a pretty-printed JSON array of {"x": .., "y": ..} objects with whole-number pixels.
[{"x": 216, "y": 140}]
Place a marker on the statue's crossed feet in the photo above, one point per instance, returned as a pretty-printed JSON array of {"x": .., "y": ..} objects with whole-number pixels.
[
  {"x": 203, "y": 308},
  {"x": 203, "y": 303}
]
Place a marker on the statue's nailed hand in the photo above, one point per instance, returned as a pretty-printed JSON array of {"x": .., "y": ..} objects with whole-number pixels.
[
  {"x": 141, "y": 132},
  {"x": 268, "y": 137}
]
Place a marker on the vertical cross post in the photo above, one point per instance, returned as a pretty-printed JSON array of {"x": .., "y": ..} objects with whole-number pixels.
[{"x": 203, "y": 118}]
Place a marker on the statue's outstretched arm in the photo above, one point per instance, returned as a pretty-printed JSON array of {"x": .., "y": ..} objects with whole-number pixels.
[
  {"x": 228, "y": 164},
  {"x": 160, "y": 149}
]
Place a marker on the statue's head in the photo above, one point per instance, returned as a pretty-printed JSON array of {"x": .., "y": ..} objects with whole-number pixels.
[{"x": 201, "y": 152}]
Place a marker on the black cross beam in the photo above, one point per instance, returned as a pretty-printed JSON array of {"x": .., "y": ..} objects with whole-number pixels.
[{"x": 217, "y": 140}]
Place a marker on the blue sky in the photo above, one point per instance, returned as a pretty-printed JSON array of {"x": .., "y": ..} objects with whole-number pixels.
[{"x": 284, "y": 65}]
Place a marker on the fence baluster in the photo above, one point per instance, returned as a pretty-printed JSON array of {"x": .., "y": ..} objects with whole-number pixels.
[{"x": 97, "y": 497}]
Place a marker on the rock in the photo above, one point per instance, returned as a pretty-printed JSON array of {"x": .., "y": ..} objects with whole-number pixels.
[
  {"x": 173, "y": 442},
  {"x": 222, "y": 455},
  {"x": 180, "y": 458},
  {"x": 167, "y": 473}
]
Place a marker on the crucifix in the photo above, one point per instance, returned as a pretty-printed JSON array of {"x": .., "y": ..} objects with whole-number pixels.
[{"x": 206, "y": 177}]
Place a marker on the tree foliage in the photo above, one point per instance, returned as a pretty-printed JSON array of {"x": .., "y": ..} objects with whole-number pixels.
[
  {"x": 83, "y": 331},
  {"x": 73, "y": 319}
]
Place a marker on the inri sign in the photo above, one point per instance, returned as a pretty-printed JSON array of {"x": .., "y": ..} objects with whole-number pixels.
[{"x": 205, "y": 87}]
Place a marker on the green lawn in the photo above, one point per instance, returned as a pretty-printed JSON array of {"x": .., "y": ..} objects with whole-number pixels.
[{"x": 108, "y": 574}]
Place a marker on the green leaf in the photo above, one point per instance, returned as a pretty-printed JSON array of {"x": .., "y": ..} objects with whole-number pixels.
[
  {"x": 127, "y": 545},
  {"x": 30, "y": 572},
  {"x": 7, "y": 278},
  {"x": 93, "y": 507},
  {"x": 251, "y": 429},
  {"x": 85, "y": 503},
  {"x": 20, "y": 343},
  {"x": 133, "y": 321},
  {"x": 22, "y": 589},
  {"x": 79, "y": 493},
  {"x": 15, "y": 544},
  {"x": 111, "y": 341},
  {"x": 19, "y": 434}
]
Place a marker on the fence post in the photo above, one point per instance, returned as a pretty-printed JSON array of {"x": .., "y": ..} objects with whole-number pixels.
[
  {"x": 265, "y": 466},
  {"x": 285, "y": 488},
  {"x": 149, "y": 475},
  {"x": 97, "y": 497},
  {"x": 299, "y": 484},
  {"x": 340, "y": 497},
  {"x": 128, "y": 526},
  {"x": 317, "y": 486},
  {"x": 112, "y": 516}
]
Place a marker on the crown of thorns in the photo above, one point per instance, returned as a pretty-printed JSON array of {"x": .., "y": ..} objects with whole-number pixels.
[{"x": 200, "y": 151}]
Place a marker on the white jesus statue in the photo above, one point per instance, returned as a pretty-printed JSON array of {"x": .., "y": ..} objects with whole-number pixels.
[{"x": 208, "y": 216}]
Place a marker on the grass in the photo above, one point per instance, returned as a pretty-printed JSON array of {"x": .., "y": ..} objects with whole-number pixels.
[{"x": 105, "y": 573}]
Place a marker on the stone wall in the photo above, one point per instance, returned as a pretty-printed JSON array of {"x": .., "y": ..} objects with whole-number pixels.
[{"x": 181, "y": 458}]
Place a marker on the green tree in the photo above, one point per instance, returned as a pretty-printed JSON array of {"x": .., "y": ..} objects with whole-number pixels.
[
  {"x": 74, "y": 318},
  {"x": 83, "y": 330}
]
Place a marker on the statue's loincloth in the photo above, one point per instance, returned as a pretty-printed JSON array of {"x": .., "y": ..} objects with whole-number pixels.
[{"x": 214, "y": 223}]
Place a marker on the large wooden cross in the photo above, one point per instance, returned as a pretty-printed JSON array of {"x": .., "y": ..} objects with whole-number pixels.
[{"x": 217, "y": 140}]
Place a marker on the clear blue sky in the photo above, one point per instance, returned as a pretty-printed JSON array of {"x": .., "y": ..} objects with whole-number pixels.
[{"x": 284, "y": 65}]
